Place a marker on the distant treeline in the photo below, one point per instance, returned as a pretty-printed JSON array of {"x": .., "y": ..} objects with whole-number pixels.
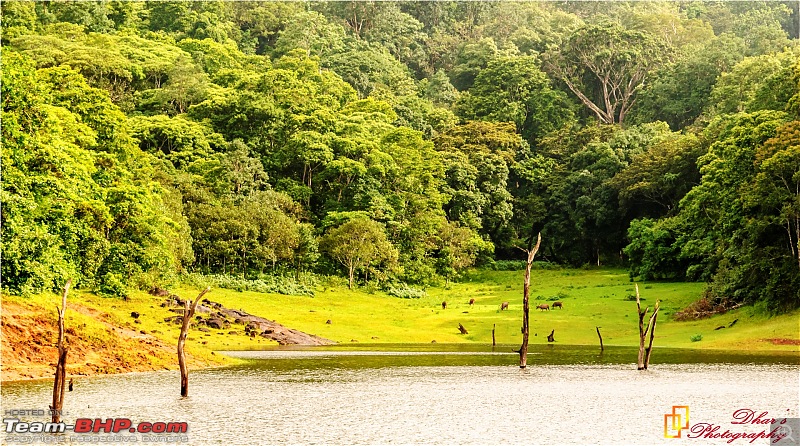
[{"x": 400, "y": 141}]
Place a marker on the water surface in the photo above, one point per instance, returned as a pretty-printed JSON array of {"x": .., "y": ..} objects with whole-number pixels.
[{"x": 440, "y": 394}]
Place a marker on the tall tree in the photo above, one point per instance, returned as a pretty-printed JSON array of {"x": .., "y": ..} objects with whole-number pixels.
[
  {"x": 514, "y": 89},
  {"x": 605, "y": 66},
  {"x": 358, "y": 244}
]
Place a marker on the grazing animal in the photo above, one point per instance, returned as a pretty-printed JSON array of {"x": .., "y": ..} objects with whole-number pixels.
[
  {"x": 444, "y": 305},
  {"x": 504, "y": 306},
  {"x": 543, "y": 307},
  {"x": 558, "y": 304},
  {"x": 472, "y": 302}
]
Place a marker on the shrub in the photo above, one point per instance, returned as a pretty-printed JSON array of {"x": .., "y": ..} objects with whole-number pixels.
[
  {"x": 263, "y": 284},
  {"x": 519, "y": 265},
  {"x": 112, "y": 285},
  {"x": 697, "y": 338},
  {"x": 405, "y": 292},
  {"x": 560, "y": 296},
  {"x": 704, "y": 308}
]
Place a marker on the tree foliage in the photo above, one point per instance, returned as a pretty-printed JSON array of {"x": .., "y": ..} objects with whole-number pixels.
[{"x": 402, "y": 141}]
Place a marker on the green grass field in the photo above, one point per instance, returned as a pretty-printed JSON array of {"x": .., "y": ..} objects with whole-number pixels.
[{"x": 596, "y": 297}]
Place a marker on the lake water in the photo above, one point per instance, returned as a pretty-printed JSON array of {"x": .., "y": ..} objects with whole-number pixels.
[{"x": 437, "y": 394}]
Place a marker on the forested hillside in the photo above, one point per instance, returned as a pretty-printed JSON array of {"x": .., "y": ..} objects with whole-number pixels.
[{"x": 400, "y": 142}]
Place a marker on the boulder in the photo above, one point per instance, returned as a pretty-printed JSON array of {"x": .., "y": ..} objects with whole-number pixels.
[
  {"x": 160, "y": 292},
  {"x": 216, "y": 323},
  {"x": 202, "y": 309}
]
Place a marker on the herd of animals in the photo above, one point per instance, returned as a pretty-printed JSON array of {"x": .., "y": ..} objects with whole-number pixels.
[{"x": 504, "y": 305}]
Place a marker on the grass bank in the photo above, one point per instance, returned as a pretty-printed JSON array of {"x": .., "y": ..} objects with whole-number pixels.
[
  {"x": 104, "y": 338},
  {"x": 596, "y": 297}
]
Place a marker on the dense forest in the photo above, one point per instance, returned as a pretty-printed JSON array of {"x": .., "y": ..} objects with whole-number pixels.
[{"x": 398, "y": 143}]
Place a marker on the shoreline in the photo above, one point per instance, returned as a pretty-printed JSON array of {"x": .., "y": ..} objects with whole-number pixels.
[{"x": 372, "y": 347}]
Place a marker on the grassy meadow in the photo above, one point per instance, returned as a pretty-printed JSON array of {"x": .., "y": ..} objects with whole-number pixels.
[{"x": 594, "y": 297}]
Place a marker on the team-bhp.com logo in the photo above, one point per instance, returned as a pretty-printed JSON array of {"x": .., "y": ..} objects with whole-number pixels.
[
  {"x": 88, "y": 425},
  {"x": 676, "y": 421}
]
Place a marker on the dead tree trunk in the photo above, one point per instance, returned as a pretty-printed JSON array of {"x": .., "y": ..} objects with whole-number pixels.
[
  {"x": 523, "y": 350},
  {"x": 644, "y": 354},
  {"x": 601, "y": 338},
  {"x": 188, "y": 313},
  {"x": 652, "y": 328},
  {"x": 60, "y": 380}
]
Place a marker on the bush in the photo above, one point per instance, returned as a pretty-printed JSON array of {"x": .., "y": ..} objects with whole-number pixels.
[
  {"x": 697, "y": 338},
  {"x": 704, "y": 308},
  {"x": 519, "y": 265},
  {"x": 506, "y": 265},
  {"x": 560, "y": 296},
  {"x": 112, "y": 285},
  {"x": 262, "y": 284},
  {"x": 404, "y": 291},
  {"x": 333, "y": 281}
]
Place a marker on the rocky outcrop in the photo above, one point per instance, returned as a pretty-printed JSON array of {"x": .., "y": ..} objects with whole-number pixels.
[{"x": 215, "y": 316}]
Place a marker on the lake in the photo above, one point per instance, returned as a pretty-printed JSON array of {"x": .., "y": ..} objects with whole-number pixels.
[{"x": 438, "y": 394}]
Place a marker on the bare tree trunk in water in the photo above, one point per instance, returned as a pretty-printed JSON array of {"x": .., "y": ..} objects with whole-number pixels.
[
  {"x": 60, "y": 379},
  {"x": 523, "y": 350},
  {"x": 644, "y": 354},
  {"x": 601, "y": 338},
  {"x": 188, "y": 313}
]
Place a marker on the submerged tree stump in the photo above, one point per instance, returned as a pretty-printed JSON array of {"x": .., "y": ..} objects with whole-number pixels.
[
  {"x": 644, "y": 353},
  {"x": 601, "y": 338},
  {"x": 523, "y": 350},
  {"x": 60, "y": 379},
  {"x": 188, "y": 313}
]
